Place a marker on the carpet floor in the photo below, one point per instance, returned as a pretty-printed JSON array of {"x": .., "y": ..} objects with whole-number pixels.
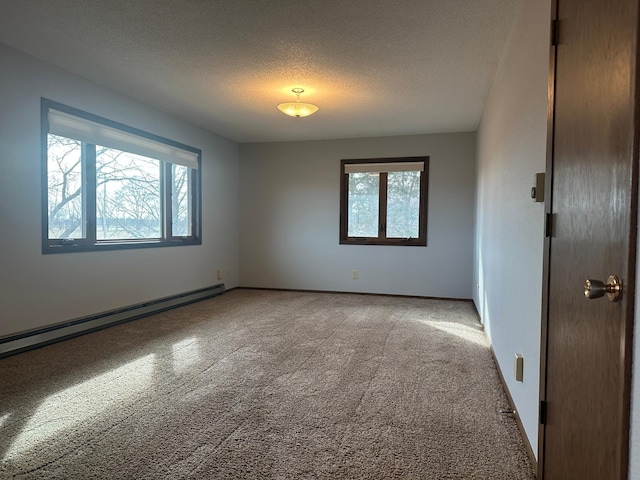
[{"x": 265, "y": 385}]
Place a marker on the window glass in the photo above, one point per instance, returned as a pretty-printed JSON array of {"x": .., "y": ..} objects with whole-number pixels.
[
  {"x": 181, "y": 212},
  {"x": 64, "y": 188},
  {"x": 127, "y": 196},
  {"x": 403, "y": 204},
  {"x": 363, "y": 204}
]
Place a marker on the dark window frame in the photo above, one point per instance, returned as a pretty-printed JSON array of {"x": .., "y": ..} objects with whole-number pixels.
[
  {"x": 89, "y": 243},
  {"x": 381, "y": 239}
]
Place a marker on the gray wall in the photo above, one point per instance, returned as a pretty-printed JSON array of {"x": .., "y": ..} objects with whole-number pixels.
[
  {"x": 509, "y": 226},
  {"x": 39, "y": 290},
  {"x": 289, "y": 212}
]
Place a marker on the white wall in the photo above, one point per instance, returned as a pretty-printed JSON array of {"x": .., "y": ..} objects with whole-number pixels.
[
  {"x": 509, "y": 225},
  {"x": 290, "y": 196},
  {"x": 39, "y": 290}
]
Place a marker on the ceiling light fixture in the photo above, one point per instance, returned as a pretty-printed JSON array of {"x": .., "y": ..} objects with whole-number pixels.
[{"x": 297, "y": 109}]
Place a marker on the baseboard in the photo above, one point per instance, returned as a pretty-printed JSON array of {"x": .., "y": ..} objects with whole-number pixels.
[
  {"x": 354, "y": 293},
  {"x": 31, "y": 339},
  {"x": 512, "y": 405}
]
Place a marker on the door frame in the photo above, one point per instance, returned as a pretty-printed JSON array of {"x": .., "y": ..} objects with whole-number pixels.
[{"x": 629, "y": 283}]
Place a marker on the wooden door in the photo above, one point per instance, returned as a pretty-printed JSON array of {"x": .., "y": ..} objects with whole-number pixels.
[{"x": 586, "y": 370}]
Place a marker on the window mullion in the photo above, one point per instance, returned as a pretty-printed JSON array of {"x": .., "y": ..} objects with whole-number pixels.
[
  {"x": 90, "y": 181},
  {"x": 382, "y": 208}
]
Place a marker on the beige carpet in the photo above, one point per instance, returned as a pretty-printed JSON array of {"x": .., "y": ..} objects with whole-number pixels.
[{"x": 265, "y": 385}]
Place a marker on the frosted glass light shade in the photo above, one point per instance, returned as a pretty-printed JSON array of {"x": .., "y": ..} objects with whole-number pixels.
[{"x": 297, "y": 109}]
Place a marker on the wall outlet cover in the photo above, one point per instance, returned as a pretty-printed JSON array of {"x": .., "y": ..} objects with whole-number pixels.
[{"x": 518, "y": 367}]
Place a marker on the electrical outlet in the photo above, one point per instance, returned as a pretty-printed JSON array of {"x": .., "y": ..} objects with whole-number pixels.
[
  {"x": 219, "y": 274},
  {"x": 354, "y": 274}
]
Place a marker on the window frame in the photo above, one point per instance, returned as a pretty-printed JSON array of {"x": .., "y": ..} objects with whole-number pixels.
[
  {"x": 382, "y": 239},
  {"x": 90, "y": 242}
]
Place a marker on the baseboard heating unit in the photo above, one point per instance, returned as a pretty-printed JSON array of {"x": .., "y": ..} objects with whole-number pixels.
[{"x": 12, "y": 344}]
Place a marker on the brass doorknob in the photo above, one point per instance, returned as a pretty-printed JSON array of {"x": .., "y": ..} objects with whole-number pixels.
[{"x": 596, "y": 288}]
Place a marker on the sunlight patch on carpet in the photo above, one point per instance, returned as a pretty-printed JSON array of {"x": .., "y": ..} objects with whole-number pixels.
[
  {"x": 80, "y": 403},
  {"x": 4, "y": 418},
  {"x": 464, "y": 332},
  {"x": 185, "y": 354}
]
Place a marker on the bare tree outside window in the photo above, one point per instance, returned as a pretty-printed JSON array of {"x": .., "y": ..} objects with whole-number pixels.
[
  {"x": 127, "y": 195},
  {"x": 108, "y": 186},
  {"x": 181, "y": 211},
  {"x": 64, "y": 189}
]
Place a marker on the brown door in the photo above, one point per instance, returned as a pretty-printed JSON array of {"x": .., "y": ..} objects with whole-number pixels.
[{"x": 592, "y": 163}]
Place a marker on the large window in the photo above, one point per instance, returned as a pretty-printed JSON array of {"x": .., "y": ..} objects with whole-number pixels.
[
  {"x": 108, "y": 186},
  {"x": 384, "y": 201}
]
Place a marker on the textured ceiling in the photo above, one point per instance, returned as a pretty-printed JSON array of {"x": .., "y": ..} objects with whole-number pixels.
[{"x": 374, "y": 67}]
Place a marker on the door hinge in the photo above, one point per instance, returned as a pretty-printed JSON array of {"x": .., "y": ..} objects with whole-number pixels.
[
  {"x": 542, "y": 414},
  {"x": 554, "y": 33},
  {"x": 548, "y": 225}
]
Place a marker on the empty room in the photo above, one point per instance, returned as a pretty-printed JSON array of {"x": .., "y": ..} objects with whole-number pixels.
[{"x": 329, "y": 239}]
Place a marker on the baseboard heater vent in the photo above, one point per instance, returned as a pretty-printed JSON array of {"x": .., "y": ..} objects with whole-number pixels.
[{"x": 43, "y": 336}]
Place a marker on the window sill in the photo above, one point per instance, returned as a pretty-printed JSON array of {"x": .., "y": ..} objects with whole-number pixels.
[
  {"x": 414, "y": 242},
  {"x": 115, "y": 245}
]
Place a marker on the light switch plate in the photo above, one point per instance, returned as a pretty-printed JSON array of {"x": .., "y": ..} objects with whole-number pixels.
[{"x": 518, "y": 367}]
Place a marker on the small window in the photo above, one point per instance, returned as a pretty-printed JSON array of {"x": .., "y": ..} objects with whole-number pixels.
[
  {"x": 384, "y": 201},
  {"x": 109, "y": 186}
]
